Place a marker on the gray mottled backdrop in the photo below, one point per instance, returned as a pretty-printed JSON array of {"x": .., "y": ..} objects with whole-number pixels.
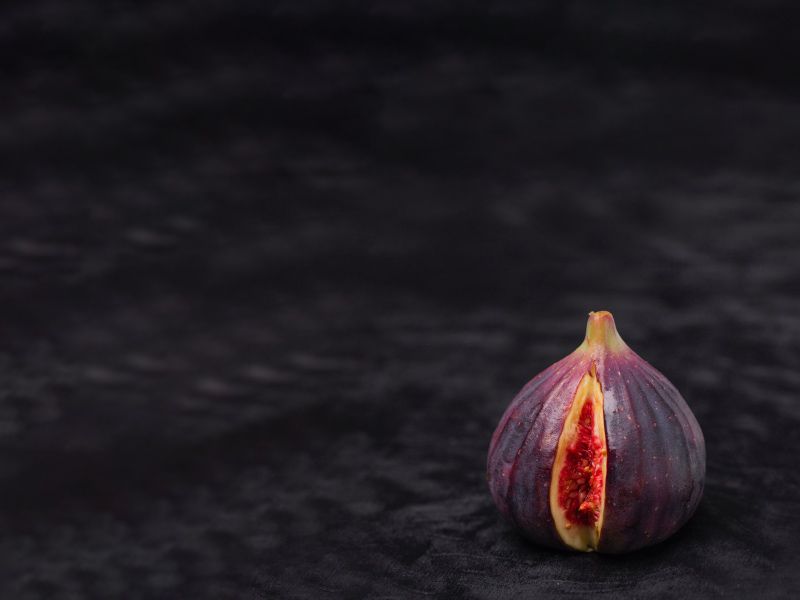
[{"x": 270, "y": 273}]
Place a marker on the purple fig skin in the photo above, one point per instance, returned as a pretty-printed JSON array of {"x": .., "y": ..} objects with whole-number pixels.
[{"x": 656, "y": 451}]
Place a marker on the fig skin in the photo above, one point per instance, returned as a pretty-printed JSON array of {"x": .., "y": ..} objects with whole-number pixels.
[{"x": 656, "y": 451}]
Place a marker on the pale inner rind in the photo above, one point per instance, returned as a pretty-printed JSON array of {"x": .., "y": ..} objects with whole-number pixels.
[{"x": 578, "y": 536}]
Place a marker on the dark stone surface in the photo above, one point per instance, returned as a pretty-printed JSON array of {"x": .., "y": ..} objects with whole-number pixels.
[{"x": 271, "y": 274}]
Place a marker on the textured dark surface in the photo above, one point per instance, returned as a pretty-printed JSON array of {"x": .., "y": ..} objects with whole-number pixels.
[{"x": 271, "y": 274}]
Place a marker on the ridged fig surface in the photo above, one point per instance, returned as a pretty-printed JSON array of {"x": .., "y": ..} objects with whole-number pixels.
[{"x": 656, "y": 452}]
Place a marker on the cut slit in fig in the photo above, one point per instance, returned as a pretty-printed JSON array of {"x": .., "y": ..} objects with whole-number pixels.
[{"x": 577, "y": 488}]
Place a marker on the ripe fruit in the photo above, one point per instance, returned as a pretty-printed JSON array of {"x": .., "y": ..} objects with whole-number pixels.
[{"x": 598, "y": 452}]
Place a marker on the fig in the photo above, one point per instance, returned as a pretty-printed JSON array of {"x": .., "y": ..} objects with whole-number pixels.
[{"x": 599, "y": 452}]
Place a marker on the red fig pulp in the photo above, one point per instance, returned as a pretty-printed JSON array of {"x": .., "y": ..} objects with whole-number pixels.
[{"x": 598, "y": 452}]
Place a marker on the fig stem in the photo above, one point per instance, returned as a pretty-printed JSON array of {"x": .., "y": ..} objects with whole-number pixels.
[{"x": 601, "y": 331}]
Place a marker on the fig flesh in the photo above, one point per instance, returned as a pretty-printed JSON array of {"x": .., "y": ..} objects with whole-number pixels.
[{"x": 599, "y": 452}]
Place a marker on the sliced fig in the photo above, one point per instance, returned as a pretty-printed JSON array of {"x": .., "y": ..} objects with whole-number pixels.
[{"x": 598, "y": 452}]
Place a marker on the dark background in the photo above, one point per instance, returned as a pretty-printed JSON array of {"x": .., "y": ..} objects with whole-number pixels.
[{"x": 270, "y": 273}]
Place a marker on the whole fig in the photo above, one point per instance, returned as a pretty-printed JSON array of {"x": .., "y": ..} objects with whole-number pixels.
[{"x": 599, "y": 452}]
